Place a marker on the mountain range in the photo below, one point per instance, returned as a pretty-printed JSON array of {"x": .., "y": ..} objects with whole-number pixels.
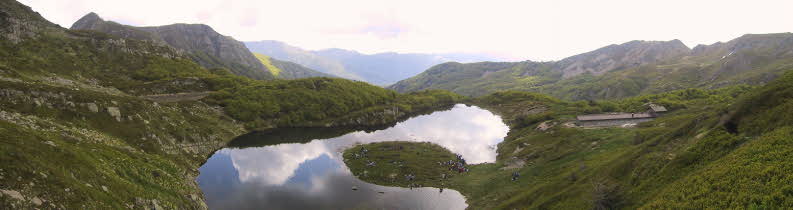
[
  {"x": 379, "y": 69},
  {"x": 203, "y": 44},
  {"x": 618, "y": 71},
  {"x": 122, "y": 117}
]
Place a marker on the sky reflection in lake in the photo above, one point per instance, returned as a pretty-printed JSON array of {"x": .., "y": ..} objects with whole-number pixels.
[{"x": 312, "y": 175}]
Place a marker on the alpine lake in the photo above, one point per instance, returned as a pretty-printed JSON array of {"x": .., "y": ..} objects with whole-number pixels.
[{"x": 303, "y": 168}]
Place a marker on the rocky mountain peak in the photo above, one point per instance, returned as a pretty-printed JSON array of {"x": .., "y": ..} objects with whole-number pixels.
[
  {"x": 206, "y": 46},
  {"x": 626, "y": 55},
  {"x": 88, "y": 21}
]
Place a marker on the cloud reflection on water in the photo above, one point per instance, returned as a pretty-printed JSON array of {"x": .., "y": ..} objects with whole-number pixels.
[{"x": 315, "y": 170}]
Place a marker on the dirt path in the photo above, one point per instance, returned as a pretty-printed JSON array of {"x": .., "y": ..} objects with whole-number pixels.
[{"x": 177, "y": 97}]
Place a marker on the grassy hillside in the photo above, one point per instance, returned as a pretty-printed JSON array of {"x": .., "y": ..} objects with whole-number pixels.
[
  {"x": 94, "y": 121},
  {"x": 717, "y": 148},
  {"x": 317, "y": 102},
  {"x": 275, "y": 71},
  {"x": 287, "y": 70},
  {"x": 693, "y": 148}
]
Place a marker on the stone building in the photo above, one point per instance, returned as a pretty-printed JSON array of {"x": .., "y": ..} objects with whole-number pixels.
[{"x": 620, "y": 119}]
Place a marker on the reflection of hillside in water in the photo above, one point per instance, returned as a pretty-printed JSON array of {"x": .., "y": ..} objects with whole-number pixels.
[
  {"x": 312, "y": 174},
  {"x": 303, "y": 135}
]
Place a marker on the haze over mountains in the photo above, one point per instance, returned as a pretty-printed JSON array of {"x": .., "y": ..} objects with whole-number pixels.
[
  {"x": 380, "y": 69},
  {"x": 616, "y": 71},
  {"x": 211, "y": 49}
]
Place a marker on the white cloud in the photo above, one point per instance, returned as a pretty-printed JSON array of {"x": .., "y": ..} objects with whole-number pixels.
[{"x": 537, "y": 30}]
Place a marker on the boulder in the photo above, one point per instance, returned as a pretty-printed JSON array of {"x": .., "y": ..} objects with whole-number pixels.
[
  {"x": 13, "y": 194},
  {"x": 93, "y": 107},
  {"x": 114, "y": 112}
]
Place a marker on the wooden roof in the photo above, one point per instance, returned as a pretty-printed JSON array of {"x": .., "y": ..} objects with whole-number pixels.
[
  {"x": 656, "y": 107},
  {"x": 613, "y": 116}
]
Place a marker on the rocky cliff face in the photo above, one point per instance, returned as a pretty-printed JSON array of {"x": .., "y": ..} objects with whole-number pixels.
[
  {"x": 205, "y": 46},
  {"x": 627, "y": 55},
  {"x": 18, "y": 21}
]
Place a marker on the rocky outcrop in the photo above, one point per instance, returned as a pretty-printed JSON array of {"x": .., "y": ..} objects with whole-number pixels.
[
  {"x": 18, "y": 21},
  {"x": 203, "y": 44},
  {"x": 93, "y": 22}
]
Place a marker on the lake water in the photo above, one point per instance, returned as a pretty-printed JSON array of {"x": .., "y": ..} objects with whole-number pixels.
[{"x": 304, "y": 169}]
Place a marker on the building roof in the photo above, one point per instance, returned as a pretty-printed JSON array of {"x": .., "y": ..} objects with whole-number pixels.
[
  {"x": 613, "y": 116},
  {"x": 656, "y": 107}
]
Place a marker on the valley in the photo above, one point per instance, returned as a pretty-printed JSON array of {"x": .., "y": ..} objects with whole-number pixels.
[{"x": 104, "y": 115}]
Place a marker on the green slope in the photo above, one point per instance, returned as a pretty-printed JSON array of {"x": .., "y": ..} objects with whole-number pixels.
[
  {"x": 275, "y": 71},
  {"x": 93, "y": 121},
  {"x": 287, "y": 70},
  {"x": 717, "y": 148}
]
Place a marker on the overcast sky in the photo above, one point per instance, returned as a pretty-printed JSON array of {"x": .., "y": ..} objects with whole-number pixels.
[{"x": 515, "y": 30}]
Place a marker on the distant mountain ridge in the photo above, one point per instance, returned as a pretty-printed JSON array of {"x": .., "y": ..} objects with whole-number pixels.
[
  {"x": 282, "y": 51},
  {"x": 630, "y": 54},
  {"x": 204, "y": 45},
  {"x": 288, "y": 70},
  {"x": 617, "y": 71},
  {"x": 379, "y": 69}
]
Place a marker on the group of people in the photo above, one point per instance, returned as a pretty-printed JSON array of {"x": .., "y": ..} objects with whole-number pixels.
[
  {"x": 361, "y": 154},
  {"x": 410, "y": 177},
  {"x": 458, "y": 165}
]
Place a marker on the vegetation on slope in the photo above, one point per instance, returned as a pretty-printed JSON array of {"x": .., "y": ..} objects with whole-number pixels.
[
  {"x": 275, "y": 71},
  {"x": 316, "y": 101},
  {"x": 396, "y": 160},
  {"x": 287, "y": 70},
  {"x": 78, "y": 131},
  {"x": 646, "y": 166},
  {"x": 721, "y": 148}
]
